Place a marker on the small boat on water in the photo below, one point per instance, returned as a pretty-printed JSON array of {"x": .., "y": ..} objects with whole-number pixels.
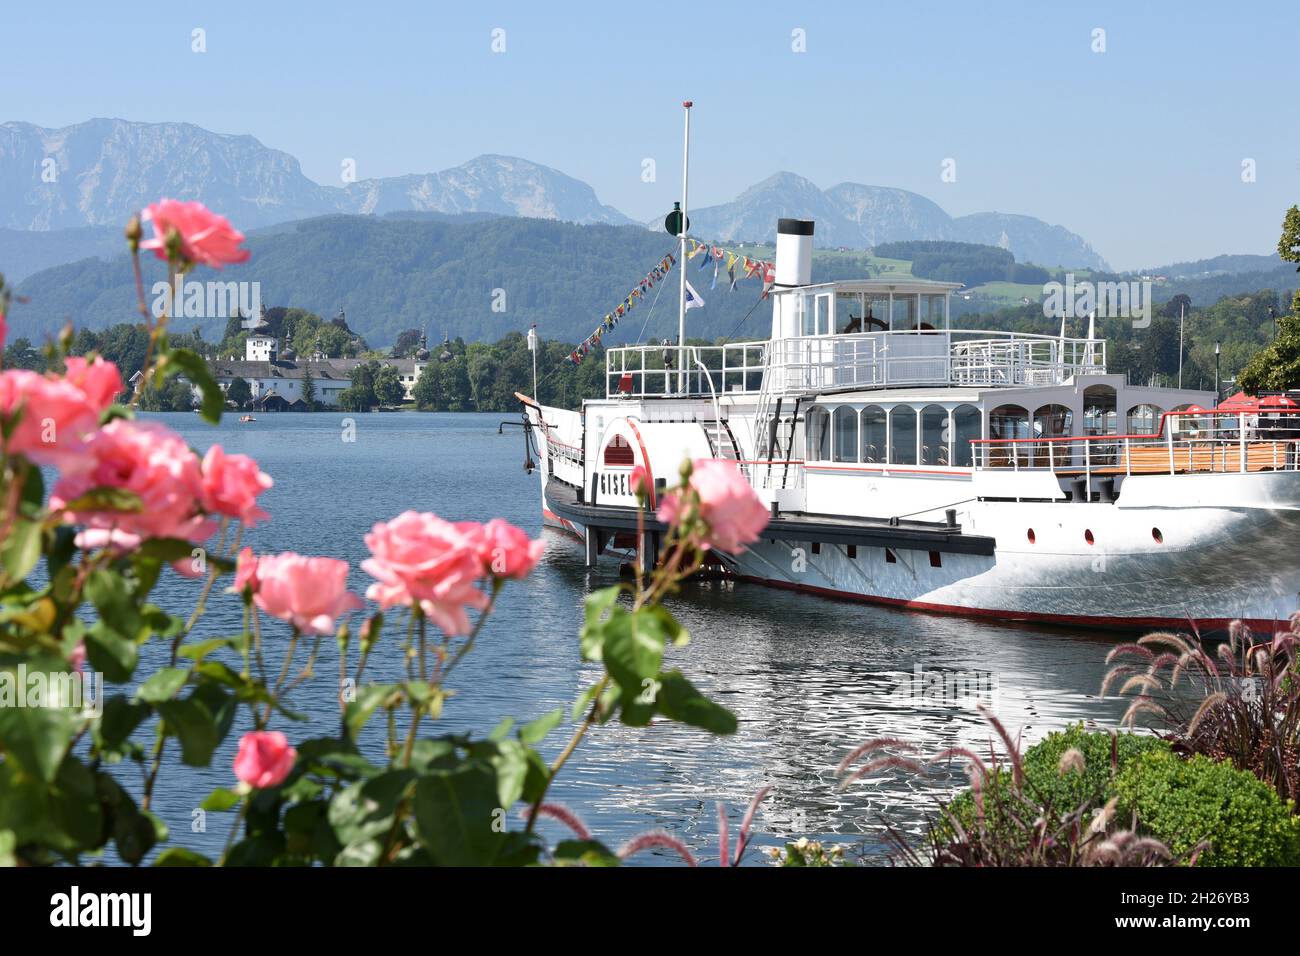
[{"x": 245, "y": 419}]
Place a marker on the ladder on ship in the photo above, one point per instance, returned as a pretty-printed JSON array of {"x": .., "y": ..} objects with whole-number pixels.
[{"x": 722, "y": 442}]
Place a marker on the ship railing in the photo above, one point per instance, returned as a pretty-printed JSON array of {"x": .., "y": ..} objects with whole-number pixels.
[
  {"x": 771, "y": 474},
  {"x": 1187, "y": 442},
  {"x": 814, "y": 363},
  {"x": 700, "y": 371}
]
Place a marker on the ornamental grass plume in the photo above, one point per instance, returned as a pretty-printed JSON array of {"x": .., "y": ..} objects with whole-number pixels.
[{"x": 1235, "y": 701}]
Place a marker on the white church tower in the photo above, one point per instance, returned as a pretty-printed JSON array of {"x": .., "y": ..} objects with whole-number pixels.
[{"x": 260, "y": 346}]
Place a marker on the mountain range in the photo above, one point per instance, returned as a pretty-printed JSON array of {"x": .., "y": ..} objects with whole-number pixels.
[
  {"x": 80, "y": 183},
  {"x": 857, "y": 216}
]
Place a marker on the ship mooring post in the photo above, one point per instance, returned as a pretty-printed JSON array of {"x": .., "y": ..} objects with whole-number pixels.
[{"x": 591, "y": 538}]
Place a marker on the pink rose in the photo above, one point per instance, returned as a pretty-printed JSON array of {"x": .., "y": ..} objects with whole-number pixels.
[
  {"x": 310, "y": 593},
  {"x": 56, "y": 413},
  {"x": 98, "y": 379},
  {"x": 264, "y": 759},
  {"x": 728, "y": 506},
  {"x": 504, "y": 550},
  {"x": 231, "y": 484},
  {"x": 245, "y": 571},
  {"x": 149, "y": 461},
  {"x": 420, "y": 558},
  {"x": 639, "y": 480},
  {"x": 206, "y": 237}
]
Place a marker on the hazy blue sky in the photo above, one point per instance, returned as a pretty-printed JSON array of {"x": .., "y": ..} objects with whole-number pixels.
[{"x": 1139, "y": 149}]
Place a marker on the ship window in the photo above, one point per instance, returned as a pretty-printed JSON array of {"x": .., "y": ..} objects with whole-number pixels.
[
  {"x": 1157, "y": 536},
  {"x": 819, "y": 434},
  {"x": 846, "y": 433},
  {"x": 817, "y": 547},
  {"x": 966, "y": 428},
  {"x": 619, "y": 453},
  {"x": 934, "y": 435},
  {"x": 1031, "y": 536},
  {"x": 1099, "y": 416},
  {"x": 1051, "y": 421},
  {"x": 902, "y": 435},
  {"x": 1087, "y": 536},
  {"x": 875, "y": 436},
  {"x": 1142, "y": 419},
  {"x": 889, "y": 556},
  {"x": 936, "y": 559},
  {"x": 852, "y": 550}
]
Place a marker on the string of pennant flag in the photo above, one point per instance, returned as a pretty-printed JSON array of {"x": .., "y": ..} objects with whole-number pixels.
[{"x": 716, "y": 256}]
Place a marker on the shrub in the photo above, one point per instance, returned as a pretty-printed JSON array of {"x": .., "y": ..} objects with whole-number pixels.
[
  {"x": 1182, "y": 802},
  {"x": 1060, "y": 791}
]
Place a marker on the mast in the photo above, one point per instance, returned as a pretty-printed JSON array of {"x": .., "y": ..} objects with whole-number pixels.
[{"x": 681, "y": 256}]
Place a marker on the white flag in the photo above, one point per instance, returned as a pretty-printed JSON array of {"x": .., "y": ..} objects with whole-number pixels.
[{"x": 693, "y": 300}]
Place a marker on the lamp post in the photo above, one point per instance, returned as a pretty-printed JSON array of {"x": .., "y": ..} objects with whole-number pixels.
[{"x": 1217, "y": 350}]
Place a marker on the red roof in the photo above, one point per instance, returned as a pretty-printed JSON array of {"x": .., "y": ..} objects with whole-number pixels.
[{"x": 1277, "y": 401}]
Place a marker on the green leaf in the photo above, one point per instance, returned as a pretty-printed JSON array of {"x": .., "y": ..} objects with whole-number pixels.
[
  {"x": 358, "y": 712},
  {"x": 194, "y": 725},
  {"x": 167, "y": 549},
  {"x": 179, "y": 856},
  {"x": 501, "y": 729},
  {"x": 458, "y": 815},
  {"x": 111, "y": 653},
  {"x": 36, "y": 737},
  {"x": 535, "y": 730},
  {"x": 598, "y": 605},
  {"x": 584, "y": 853},
  {"x": 107, "y": 499},
  {"x": 162, "y": 685},
  {"x": 221, "y": 800},
  {"x": 679, "y": 700},
  {"x": 365, "y": 810},
  {"x": 632, "y": 649},
  {"x": 21, "y": 549},
  {"x": 196, "y": 652},
  {"x": 120, "y": 719},
  {"x": 196, "y": 370},
  {"x": 73, "y": 804}
]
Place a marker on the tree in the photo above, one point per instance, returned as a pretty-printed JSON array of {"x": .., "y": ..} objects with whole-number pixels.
[
  {"x": 408, "y": 341},
  {"x": 388, "y": 386},
  {"x": 239, "y": 392},
  {"x": 20, "y": 353},
  {"x": 1288, "y": 247},
  {"x": 1276, "y": 367},
  {"x": 308, "y": 387}
]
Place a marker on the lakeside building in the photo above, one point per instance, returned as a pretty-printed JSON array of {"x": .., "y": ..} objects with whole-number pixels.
[{"x": 275, "y": 375}]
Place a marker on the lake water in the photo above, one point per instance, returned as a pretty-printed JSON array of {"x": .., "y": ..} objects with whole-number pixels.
[{"x": 809, "y": 678}]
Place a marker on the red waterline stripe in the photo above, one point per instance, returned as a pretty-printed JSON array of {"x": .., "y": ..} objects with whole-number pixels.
[{"x": 1128, "y": 623}]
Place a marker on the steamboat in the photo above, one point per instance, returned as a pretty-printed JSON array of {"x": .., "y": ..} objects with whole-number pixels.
[{"x": 909, "y": 463}]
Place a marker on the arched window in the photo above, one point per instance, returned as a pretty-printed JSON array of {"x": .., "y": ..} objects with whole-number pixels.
[
  {"x": 1143, "y": 419},
  {"x": 619, "y": 453},
  {"x": 934, "y": 435},
  {"x": 1099, "y": 414},
  {"x": 1008, "y": 422},
  {"x": 1052, "y": 421},
  {"x": 965, "y": 429},
  {"x": 817, "y": 426},
  {"x": 902, "y": 435},
  {"x": 875, "y": 434},
  {"x": 846, "y": 433}
]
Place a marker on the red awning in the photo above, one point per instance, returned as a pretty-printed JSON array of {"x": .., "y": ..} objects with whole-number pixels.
[{"x": 1277, "y": 403}]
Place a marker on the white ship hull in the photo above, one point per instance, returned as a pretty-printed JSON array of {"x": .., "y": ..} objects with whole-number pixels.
[{"x": 1215, "y": 565}]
